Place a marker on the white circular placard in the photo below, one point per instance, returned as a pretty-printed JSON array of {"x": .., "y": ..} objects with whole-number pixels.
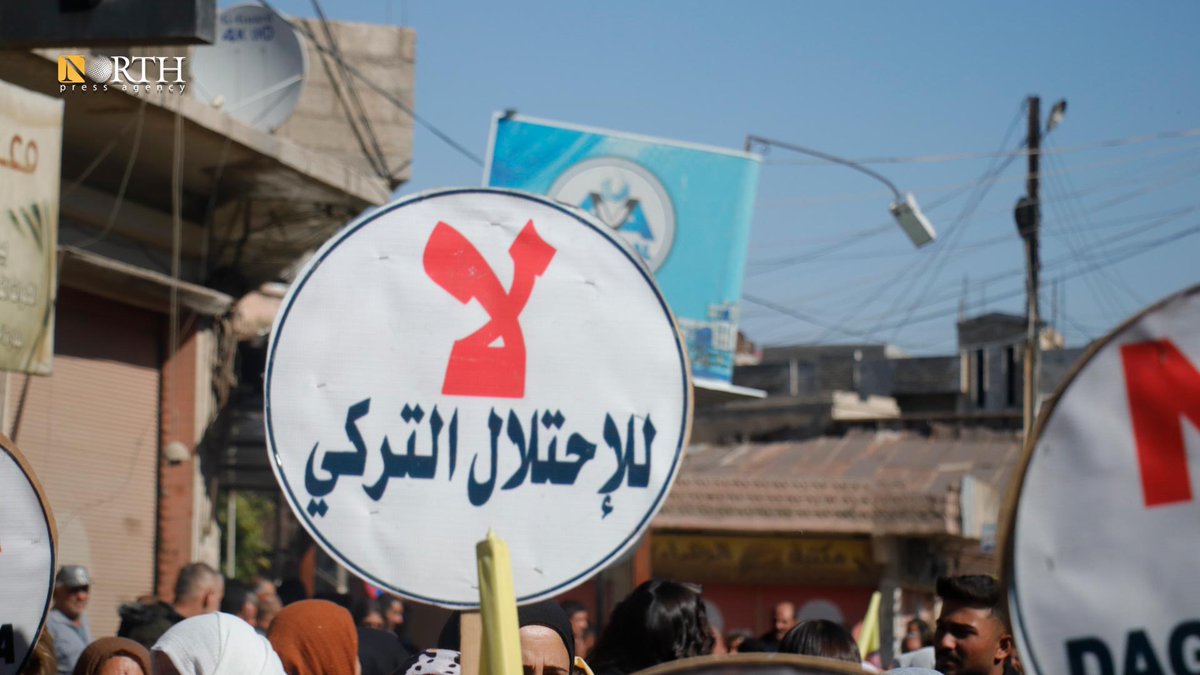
[
  {"x": 1101, "y": 555},
  {"x": 26, "y": 559},
  {"x": 626, "y": 197},
  {"x": 471, "y": 359}
]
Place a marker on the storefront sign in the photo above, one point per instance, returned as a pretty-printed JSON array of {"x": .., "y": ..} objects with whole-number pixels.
[
  {"x": 1105, "y": 536},
  {"x": 476, "y": 358},
  {"x": 26, "y": 559},
  {"x": 685, "y": 209},
  {"x": 712, "y": 558},
  {"x": 30, "y": 160}
]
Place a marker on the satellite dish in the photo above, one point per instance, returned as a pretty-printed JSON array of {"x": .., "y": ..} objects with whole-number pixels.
[{"x": 255, "y": 71}]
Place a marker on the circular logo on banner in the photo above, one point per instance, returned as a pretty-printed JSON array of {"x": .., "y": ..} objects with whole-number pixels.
[
  {"x": 26, "y": 559},
  {"x": 473, "y": 359},
  {"x": 627, "y": 198},
  {"x": 1100, "y": 559}
]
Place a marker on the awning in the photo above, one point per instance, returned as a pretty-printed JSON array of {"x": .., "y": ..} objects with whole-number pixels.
[{"x": 135, "y": 285}]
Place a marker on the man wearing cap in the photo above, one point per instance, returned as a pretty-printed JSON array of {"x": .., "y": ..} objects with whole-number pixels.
[{"x": 66, "y": 622}]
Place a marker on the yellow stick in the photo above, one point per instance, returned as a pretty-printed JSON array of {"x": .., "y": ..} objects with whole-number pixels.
[
  {"x": 498, "y": 608},
  {"x": 868, "y": 638}
]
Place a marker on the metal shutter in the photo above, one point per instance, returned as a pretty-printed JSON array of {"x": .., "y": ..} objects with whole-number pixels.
[{"x": 91, "y": 432}]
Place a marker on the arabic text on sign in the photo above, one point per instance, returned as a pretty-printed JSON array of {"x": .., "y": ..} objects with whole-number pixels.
[{"x": 564, "y": 459}]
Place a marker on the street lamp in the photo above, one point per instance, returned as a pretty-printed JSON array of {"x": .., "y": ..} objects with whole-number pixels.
[{"x": 904, "y": 209}]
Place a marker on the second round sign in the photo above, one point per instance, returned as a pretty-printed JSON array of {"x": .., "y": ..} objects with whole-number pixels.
[
  {"x": 1105, "y": 536},
  {"x": 474, "y": 359}
]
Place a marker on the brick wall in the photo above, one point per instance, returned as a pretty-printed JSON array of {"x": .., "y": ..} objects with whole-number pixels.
[{"x": 176, "y": 496}]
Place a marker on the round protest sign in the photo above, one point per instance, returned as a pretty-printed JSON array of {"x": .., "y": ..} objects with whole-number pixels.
[
  {"x": 26, "y": 559},
  {"x": 761, "y": 663},
  {"x": 472, "y": 359},
  {"x": 1103, "y": 541}
]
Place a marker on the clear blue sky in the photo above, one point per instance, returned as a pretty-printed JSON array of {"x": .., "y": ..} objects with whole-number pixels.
[{"x": 862, "y": 80}]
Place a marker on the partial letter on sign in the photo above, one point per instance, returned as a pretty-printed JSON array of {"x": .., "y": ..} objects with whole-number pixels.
[{"x": 1163, "y": 387}]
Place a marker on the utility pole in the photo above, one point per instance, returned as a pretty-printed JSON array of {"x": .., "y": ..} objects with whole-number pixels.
[{"x": 1028, "y": 216}]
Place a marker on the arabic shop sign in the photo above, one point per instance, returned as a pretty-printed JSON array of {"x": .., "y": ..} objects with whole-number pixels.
[
  {"x": 764, "y": 560},
  {"x": 26, "y": 559},
  {"x": 476, "y": 358},
  {"x": 1100, "y": 560},
  {"x": 30, "y": 157}
]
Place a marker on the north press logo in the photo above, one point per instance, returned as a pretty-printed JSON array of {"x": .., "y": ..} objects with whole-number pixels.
[{"x": 131, "y": 74}]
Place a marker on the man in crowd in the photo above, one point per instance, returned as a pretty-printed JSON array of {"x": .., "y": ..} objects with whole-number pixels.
[
  {"x": 782, "y": 620},
  {"x": 198, "y": 590},
  {"x": 241, "y": 601},
  {"x": 973, "y": 635},
  {"x": 66, "y": 622}
]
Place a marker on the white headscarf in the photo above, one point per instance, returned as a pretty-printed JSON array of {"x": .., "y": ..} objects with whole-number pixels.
[{"x": 218, "y": 644}]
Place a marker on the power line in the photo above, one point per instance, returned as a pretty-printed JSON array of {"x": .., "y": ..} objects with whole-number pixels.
[
  {"x": 119, "y": 200},
  {"x": 1056, "y": 232},
  {"x": 964, "y": 218},
  {"x": 782, "y": 203},
  {"x": 388, "y": 96},
  {"x": 1117, "y": 256},
  {"x": 1098, "y": 259},
  {"x": 1092, "y": 261},
  {"x": 849, "y": 239},
  {"x": 1061, "y": 261},
  {"x": 348, "y": 97},
  {"x": 1137, "y": 224},
  {"x": 1154, "y": 183},
  {"x": 1079, "y": 238},
  {"x": 953, "y": 229},
  {"x": 762, "y": 266},
  {"x": 953, "y": 157}
]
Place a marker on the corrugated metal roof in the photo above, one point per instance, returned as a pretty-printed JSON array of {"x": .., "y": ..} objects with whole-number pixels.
[{"x": 877, "y": 483}]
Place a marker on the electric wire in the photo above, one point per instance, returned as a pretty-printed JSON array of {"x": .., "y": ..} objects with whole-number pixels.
[
  {"x": 388, "y": 96},
  {"x": 119, "y": 200},
  {"x": 1023, "y": 152},
  {"x": 989, "y": 242},
  {"x": 963, "y": 221},
  {"x": 104, "y": 152},
  {"x": 1168, "y": 216},
  {"x": 1115, "y": 256},
  {"x": 1077, "y": 241},
  {"x": 375, "y": 155},
  {"x": 856, "y": 235},
  {"x": 894, "y": 281},
  {"x": 792, "y": 202},
  {"x": 337, "y": 82},
  {"x": 1100, "y": 256}
]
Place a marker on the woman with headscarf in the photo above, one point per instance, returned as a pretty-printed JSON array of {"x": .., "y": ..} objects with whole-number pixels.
[
  {"x": 316, "y": 637},
  {"x": 659, "y": 621},
  {"x": 113, "y": 656},
  {"x": 214, "y": 644},
  {"x": 547, "y": 643}
]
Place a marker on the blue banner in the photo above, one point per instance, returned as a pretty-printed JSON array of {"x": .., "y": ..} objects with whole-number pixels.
[{"x": 685, "y": 209}]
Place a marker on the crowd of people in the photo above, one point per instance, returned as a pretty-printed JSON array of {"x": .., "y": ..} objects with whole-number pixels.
[{"x": 218, "y": 627}]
